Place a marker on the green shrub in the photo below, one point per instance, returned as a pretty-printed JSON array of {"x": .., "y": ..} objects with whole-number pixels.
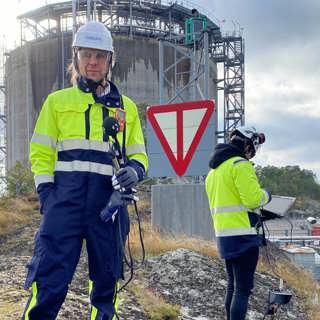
[
  {"x": 165, "y": 312},
  {"x": 19, "y": 181}
]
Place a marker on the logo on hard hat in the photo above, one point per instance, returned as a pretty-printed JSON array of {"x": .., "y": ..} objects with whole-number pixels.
[{"x": 93, "y": 38}]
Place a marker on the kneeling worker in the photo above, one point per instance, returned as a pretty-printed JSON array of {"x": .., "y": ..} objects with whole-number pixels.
[{"x": 233, "y": 191}]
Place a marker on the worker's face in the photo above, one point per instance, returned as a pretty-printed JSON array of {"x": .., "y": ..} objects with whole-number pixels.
[{"x": 93, "y": 64}]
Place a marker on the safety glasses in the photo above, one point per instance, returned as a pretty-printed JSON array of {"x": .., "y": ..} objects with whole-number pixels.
[{"x": 100, "y": 56}]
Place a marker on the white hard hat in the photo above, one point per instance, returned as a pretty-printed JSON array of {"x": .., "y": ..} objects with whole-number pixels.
[
  {"x": 251, "y": 133},
  {"x": 312, "y": 220},
  {"x": 93, "y": 35}
]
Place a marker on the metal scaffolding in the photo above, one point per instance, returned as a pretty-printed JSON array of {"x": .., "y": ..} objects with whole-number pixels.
[
  {"x": 229, "y": 50},
  {"x": 3, "y": 149},
  {"x": 131, "y": 17},
  {"x": 164, "y": 20},
  {"x": 195, "y": 79}
]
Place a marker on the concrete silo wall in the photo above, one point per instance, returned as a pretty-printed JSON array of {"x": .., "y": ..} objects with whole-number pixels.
[{"x": 39, "y": 67}]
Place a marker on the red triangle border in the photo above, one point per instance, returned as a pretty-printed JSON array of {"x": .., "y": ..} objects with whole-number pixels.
[{"x": 180, "y": 164}]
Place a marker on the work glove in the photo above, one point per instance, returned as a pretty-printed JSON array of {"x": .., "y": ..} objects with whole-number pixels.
[
  {"x": 117, "y": 201},
  {"x": 126, "y": 178}
]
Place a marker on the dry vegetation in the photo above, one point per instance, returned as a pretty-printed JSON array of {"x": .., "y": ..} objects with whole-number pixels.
[
  {"x": 302, "y": 280},
  {"x": 153, "y": 304},
  {"x": 157, "y": 243},
  {"x": 15, "y": 213}
]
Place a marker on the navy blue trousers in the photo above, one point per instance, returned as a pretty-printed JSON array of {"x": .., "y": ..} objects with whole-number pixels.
[
  {"x": 71, "y": 215},
  {"x": 240, "y": 272}
]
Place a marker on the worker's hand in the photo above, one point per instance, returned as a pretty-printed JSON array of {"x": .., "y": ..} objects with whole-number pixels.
[{"x": 126, "y": 178}]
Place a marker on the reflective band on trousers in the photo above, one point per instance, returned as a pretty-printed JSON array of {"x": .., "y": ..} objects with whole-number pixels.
[
  {"x": 84, "y": 166},
  {"x": 44, "y": 139},
  {"x": 72, "y": 144},
  {"x": 236, "y": 232},
  {"x": 135, "y": 148},
  {"x": 228, "y": 209},
  {"x": 43, "y": 178}
]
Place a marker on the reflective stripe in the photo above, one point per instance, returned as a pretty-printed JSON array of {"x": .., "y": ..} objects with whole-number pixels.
[
  {"x": 236, "y": 232},
  {"x": 33, "y": 301},
  {"x": 94, "y": 310},
  {"x": 44, "y": 139},
  {"x": 228, "y": 209},
  {"x": 43, "y": 178},
  {"x": 82, "y": 144},
  {"x": 136, "y": 148},
  {"x": 239, "y": 161},
  {"x": 84, "y": 166}
]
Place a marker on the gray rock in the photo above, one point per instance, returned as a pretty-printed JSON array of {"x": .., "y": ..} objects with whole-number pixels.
[{"x": 199, "y": 287}]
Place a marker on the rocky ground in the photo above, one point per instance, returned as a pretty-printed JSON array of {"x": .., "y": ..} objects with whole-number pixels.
[{"x": 194, "y": 282}]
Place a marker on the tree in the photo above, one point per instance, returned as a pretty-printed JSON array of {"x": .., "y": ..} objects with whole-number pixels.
[
  {"x": 290, "y": 181},
  {"x": 20, "y": 181}
]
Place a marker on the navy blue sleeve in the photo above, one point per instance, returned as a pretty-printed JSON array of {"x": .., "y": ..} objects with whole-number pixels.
[{"x": 136, "y": 165}]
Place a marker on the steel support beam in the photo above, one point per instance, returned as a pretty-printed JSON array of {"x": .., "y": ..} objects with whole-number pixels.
[
  {"x": 198, "y": 76},
  {"x": 229, "y": 50}
]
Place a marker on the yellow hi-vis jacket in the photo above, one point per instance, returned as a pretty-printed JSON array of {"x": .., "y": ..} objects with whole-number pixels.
[
  {"x": 71, "y": 120},
  {"x": 233, "y": 190}
]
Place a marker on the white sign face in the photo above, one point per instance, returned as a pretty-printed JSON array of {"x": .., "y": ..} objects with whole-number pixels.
[
  {"x": 191, "y": 124},
  {"x": 177, "y": 131}
]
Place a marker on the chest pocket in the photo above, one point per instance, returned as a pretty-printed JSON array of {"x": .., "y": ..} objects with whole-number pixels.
[{"x": 71, "y": 122}]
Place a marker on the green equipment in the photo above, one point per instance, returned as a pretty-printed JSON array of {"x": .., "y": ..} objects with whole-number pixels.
[{"x": 194, "y": 26}]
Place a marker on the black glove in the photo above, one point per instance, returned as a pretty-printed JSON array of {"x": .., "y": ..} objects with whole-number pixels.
[
  {"x": 116, "y": 201},
  {"x": 126, "y": 178}
]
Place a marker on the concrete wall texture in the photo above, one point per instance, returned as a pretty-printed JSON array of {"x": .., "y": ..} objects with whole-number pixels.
[
  {"x": 39, "y": 67},
  {"x": 182, "y": 209}
]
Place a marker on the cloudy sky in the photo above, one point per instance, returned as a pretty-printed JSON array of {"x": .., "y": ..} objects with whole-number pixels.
[
  {"x": 282, "y": 74},
  {"x": 282, "y": 71}
]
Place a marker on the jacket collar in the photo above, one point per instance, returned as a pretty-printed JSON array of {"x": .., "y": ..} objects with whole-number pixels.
[
  {"x": 223, "y": 152},
  {"x": 111, "y": 99}
]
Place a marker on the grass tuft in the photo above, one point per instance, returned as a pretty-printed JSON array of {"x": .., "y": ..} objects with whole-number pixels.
[
  {"x": 157, "y": 243},
  {"x": 154, "y": 305}
]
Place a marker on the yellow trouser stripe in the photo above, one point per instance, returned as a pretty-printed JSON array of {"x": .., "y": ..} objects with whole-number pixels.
[
  {"x": 94, "y": 310},
  {"x": 33, "y": 301}
]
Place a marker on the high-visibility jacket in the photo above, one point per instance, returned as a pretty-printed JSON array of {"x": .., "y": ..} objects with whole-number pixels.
[
  {"x": 233, "y": 190},
  {"x": 69, "y": 136},
  {"x": 73, "y": 171}
]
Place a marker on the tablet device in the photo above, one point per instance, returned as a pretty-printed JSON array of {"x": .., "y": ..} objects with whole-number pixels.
[{"x": 277, "y": 207}]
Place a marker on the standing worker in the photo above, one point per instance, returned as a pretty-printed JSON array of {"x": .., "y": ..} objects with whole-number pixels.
[
  {"x": 73, "y": 176},
  {"x": 234, "y": 192}
]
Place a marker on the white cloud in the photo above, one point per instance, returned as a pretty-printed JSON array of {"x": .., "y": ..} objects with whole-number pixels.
[{"x": 282, "y": 76}]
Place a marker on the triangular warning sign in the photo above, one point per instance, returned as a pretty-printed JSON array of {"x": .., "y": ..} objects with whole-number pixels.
[{"x": 179, "y": 128}]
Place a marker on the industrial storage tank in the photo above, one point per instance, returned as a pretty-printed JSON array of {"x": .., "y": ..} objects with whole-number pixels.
[{"x": 39, "y": 65}]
